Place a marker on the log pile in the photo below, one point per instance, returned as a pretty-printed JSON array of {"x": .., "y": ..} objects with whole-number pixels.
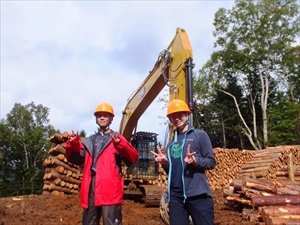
[
  {"x": 229, "y": 162},
  {"x": 271, "y": 163},
  {"x": 280, "y": 162},
  {"x": 264, "y": 200},
  {"x": 162, "y": 179},
  {"x": 61, "y": 176}
]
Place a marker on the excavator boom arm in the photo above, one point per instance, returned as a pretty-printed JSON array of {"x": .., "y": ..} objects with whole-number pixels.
[{"x": 173, "y": 68}]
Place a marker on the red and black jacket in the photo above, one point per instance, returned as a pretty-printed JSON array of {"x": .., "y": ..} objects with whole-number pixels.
[{"x": 109, "y": 187}]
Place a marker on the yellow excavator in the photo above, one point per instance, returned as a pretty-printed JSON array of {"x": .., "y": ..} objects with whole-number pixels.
[{"x": 173, "y": 69}]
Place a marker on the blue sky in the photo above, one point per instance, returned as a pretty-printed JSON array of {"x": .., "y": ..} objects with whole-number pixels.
[{"x": 71, "y": 55}]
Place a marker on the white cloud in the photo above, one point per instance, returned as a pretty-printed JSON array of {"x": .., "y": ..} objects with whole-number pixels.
[{"x": 71, "y": 55}]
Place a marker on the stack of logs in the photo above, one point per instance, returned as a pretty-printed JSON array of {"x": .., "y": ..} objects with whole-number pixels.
[
  {"x": 267, "y": 201},
  {"x": 270, "y": 163},
  {"x": 162, "y": 179},
  {"x": 266, "y": 183},
  {"x": 60, "y": 176},
  {"x": 229, "y": 162},
  {"x": 268, "y": 186}
]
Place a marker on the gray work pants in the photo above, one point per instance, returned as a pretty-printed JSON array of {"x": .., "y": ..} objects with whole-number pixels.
[{"x": 111, "y": 214}]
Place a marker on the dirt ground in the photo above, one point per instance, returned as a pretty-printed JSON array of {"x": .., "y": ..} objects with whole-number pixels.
[{"x": 65, "y": 210}]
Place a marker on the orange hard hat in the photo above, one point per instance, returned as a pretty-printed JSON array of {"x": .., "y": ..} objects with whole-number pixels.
[
  {"x": 177, "y": 105},
  {"x": 104, "y": 107}
]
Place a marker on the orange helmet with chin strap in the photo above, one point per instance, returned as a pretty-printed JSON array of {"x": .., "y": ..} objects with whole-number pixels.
[
  {"x": 177, "y": 105},
  {"x": 104, "y": 107}
]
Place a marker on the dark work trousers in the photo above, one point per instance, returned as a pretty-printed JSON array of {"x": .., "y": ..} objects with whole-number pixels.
[
  {"x": 200, "y": 208},
  {"x": 112, "y": 214}
]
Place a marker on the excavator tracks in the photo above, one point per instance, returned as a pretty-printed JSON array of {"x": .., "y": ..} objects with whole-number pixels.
[{"x": 153, "y": 194}]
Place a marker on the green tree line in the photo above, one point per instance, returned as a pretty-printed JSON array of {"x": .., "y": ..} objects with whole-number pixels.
[
  {"x": 24, "y": 145},
  {"x": 246, "y": 95}
]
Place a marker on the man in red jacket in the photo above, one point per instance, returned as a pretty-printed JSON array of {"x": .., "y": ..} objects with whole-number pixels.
[{"x": 102, "y": 186}]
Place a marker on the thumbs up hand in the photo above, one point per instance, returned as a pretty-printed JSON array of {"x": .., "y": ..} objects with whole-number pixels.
[{"x": 190, "y": 158}]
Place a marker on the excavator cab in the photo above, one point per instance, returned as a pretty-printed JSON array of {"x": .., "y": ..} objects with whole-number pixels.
[
  {"x": 145, "y": 167},
  {"x": 141, "y": 177}
]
